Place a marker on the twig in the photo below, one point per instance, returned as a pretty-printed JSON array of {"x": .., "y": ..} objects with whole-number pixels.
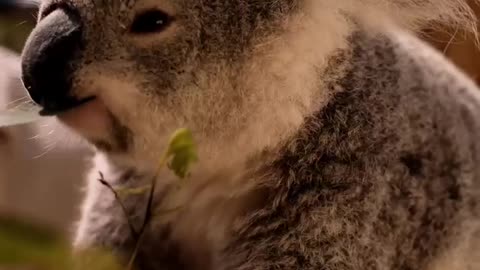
[
  {"x": 181, "y": 141},
  {"x": 146, "y": 221},
  {"x": 134, "y": 232},
  {"x": 148, "y": 211}
]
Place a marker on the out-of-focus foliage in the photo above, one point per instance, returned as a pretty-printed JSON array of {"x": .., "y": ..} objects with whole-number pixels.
[
  {"x": 15, "y": 25},
  {"x": 32, "y": 247}
]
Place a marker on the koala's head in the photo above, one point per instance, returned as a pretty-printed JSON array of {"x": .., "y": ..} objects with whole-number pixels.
[
  {"x": 239, "y": 73},
  {"x": 126, "y": 73}
]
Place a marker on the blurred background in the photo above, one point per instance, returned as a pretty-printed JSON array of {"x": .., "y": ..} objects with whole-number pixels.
[{"x": 42, "y": 165}]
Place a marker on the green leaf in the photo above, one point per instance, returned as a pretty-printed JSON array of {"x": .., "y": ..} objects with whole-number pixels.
[
  {"x": 33, "y": 247},
  {"x": 182, "y": 151},
  {"x": 29, "y": 245}
]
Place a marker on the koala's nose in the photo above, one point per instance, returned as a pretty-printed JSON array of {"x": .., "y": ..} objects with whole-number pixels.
[{"x": 47, "y": 60}]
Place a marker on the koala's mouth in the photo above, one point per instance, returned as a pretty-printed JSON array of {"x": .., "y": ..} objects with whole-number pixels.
[
  {"x": 89, "y": 118},
  {"x": 65, "y": 106}
]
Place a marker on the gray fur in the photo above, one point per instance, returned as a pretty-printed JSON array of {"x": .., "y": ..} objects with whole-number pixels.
[
  {"x": 381, "y": 172},
  {"x": 390, "y": 180}
]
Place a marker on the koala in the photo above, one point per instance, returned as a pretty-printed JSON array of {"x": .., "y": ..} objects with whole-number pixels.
[{"x": 329, "y": 135}]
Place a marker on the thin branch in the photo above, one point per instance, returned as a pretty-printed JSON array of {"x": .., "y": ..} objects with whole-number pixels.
[
  {"x": 148, "y": 211},
  {"x": 146, "y": 221},
  {"x": 134, "y": 232}
]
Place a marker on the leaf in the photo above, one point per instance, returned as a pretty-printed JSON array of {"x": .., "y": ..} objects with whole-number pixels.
[
  {"x": 182, "y": 151},
  {"x": 22, "y": 114},
  {"x": 26, "y": 244},
  {"x": 33, "y": 247}
]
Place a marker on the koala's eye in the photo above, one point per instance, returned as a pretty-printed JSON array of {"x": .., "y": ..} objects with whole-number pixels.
[{"x": 150, "y": 21}]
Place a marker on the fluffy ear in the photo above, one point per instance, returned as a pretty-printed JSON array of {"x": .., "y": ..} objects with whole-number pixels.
[
  {"x": 429, "y": 13},
  {"x": 416, "y": 14}
]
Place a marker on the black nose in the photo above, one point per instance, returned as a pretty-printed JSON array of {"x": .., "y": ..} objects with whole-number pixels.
[{"x": 48, "y": 60}]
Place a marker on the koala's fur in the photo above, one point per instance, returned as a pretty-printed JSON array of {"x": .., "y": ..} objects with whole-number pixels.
[{"x": 329, "y": 136}]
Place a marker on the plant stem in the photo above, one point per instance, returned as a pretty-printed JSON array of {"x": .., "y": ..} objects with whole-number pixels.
[
  {"x": 124, "y": 209},
  {"x": 148, "y": 211}
]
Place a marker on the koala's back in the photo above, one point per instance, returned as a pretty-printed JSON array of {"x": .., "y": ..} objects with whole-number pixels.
[{"x": 385, "y": 176}]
